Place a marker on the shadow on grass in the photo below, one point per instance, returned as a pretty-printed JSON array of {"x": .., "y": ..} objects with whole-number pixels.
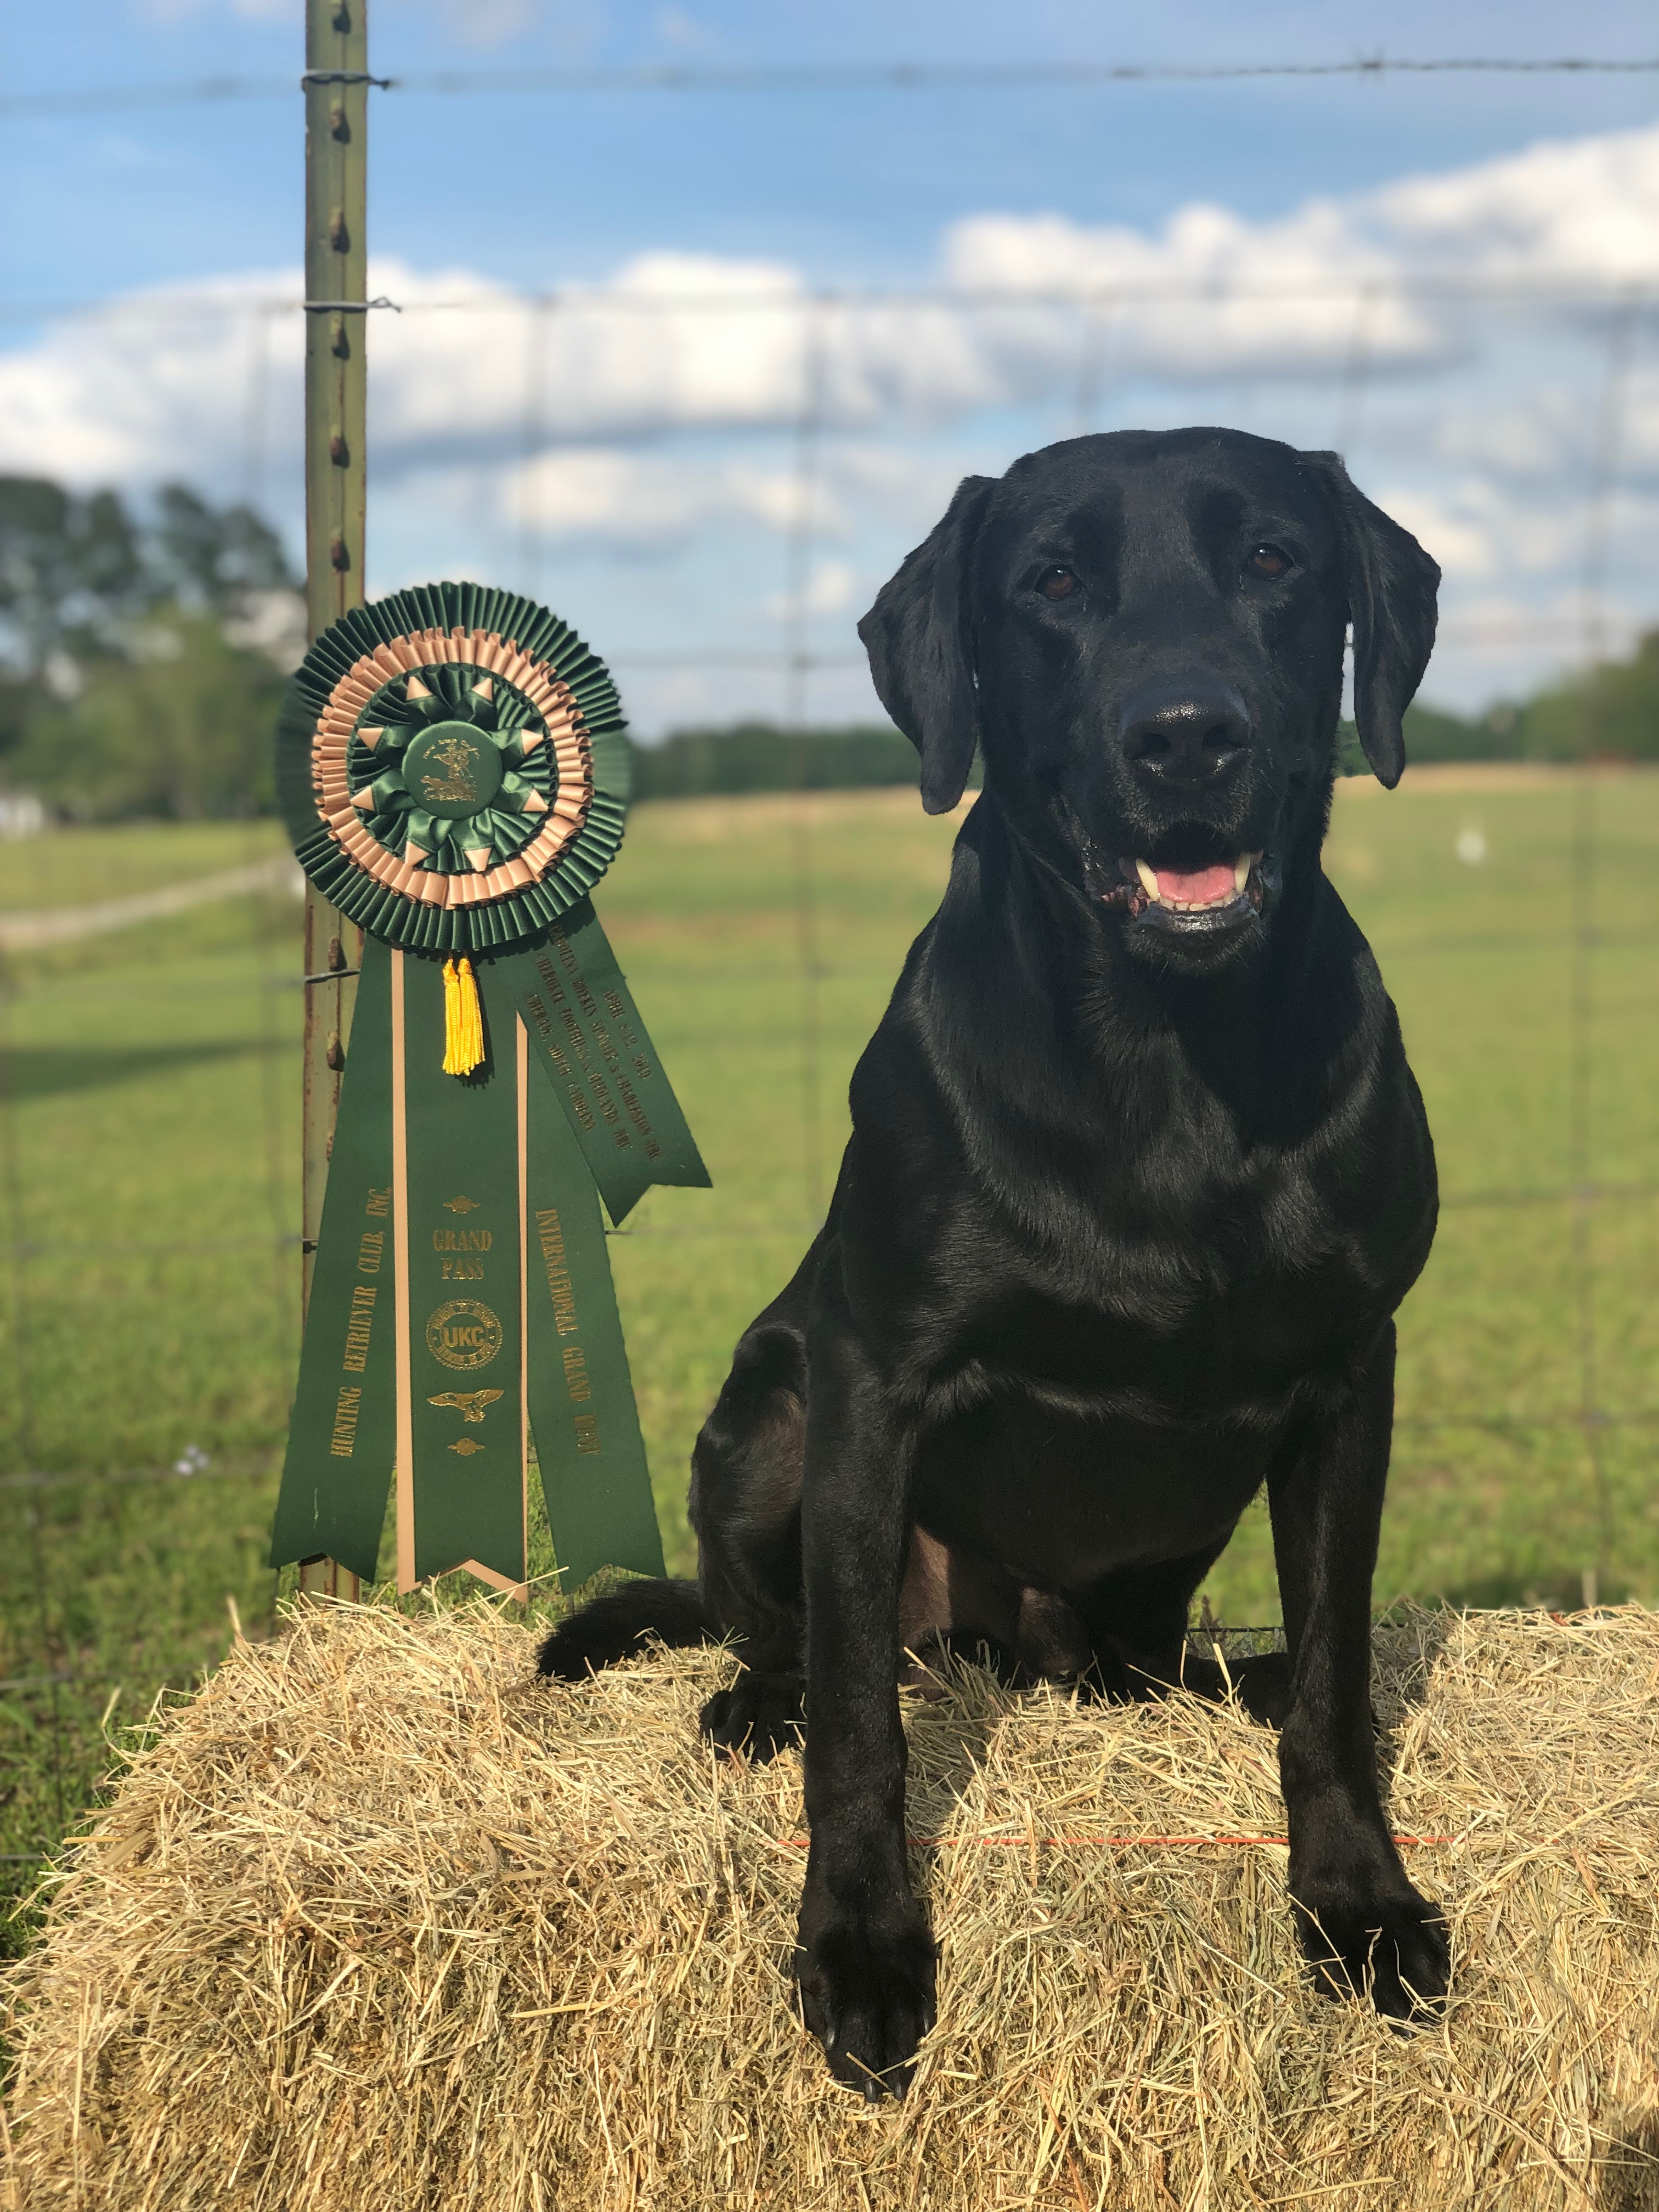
[{"x": 47, "y": 1070}]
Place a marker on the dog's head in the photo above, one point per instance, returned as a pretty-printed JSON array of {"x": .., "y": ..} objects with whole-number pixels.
[{"x": 1144, "y": 632}]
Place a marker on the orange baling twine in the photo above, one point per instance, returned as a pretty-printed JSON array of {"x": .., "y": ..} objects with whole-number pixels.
[
  {"x": 463, "y": 1019},
  {"x": 1101, "y": 1843}
]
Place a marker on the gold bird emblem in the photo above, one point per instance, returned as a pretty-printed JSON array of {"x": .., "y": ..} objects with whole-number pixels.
[{"x": 469, "y": 1404}]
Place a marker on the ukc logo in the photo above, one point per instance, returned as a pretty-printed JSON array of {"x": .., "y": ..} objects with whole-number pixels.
[{"x": 464, "y": 1334}]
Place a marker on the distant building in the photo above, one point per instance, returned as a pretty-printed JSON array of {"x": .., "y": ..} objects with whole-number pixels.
[{"x": 22, "y": 814}]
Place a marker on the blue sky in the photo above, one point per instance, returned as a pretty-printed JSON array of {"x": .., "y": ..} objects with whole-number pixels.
[{"x": 655, "y": 508}]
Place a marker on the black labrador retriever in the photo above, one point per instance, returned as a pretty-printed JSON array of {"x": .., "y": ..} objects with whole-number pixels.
[{"x": 1138, "y": 1177}]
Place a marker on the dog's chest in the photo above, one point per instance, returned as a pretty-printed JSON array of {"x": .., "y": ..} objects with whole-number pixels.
[
  {"x": 1206, "y": 1296},
  {"x": 1137, "y": 1384}
]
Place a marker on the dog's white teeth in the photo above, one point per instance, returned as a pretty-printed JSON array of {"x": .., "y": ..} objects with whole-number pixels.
[
  {"x": 1240, "y": 871},
  {"x": 1149, "y": 879}
]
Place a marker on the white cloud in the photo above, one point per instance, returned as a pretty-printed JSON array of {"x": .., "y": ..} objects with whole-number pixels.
[
  {"x": 680, "y": 342},
  {"x": 1529, "y": 439},
  {"x": 906, "y": 488},
  {"x": 1578, "y": 211},
  {"x": 677, "y": 342},
  {"x": 1491, "y": 539},
  {"x": 1461, "y": 542},
  {"x": 638, "y": 395},
  {"x": 1582, "y": 214},
  {"x": 639, "y": 502},
  {"x": 1239, "y": 298},
  {"x": 1550, "y": 434},
  {"x": 831, "y": 589},
  {"x": 156, "y": 386},
  {"x": 617, "y": 359}
]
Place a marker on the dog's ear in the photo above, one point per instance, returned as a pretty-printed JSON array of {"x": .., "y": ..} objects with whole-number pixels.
[
  {"x": 918, "y": 638},
  {"x": 1391, "y": 585}
]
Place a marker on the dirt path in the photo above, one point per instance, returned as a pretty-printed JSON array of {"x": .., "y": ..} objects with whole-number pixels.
[{"x": 23, "y": 933}]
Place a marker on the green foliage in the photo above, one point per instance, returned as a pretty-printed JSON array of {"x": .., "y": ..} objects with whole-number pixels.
[
  {"x": 209, "y": 557},
  {"x": 76, "y": 572},
  {"x": 120, "y": 691},
  {"x": 1433, "y": 735},
  {"x": 180, "y": 729},
  {"x": 760, "y": 757},
  {"x": 1607, "y": 712},
  {"x": 71, "y": 571}
]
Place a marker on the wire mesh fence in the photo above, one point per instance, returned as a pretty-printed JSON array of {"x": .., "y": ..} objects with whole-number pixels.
[{"x": 149, "y": 1103}]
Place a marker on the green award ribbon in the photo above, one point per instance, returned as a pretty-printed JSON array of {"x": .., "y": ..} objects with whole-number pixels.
[
  {"x": 587, "y": 1033},
  {"x": 342, "y": 1438},
  {"x": 450, "y": 767}
]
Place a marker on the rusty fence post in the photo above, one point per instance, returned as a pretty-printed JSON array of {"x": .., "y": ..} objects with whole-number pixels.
[{"x": 336, "y": 86}]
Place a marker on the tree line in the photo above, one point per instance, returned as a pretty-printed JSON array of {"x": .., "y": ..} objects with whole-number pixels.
[
  {"x": 136, "y": 677},
  {"x": 143, "y": 650}
]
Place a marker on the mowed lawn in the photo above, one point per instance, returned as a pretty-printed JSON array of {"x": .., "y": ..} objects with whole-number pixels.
[{"x": 149, "y": 1205}]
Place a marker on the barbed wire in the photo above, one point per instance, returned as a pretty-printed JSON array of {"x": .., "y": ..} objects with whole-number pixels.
[
  {"x": 1023, "y": 76},
  {"x": 1445, "y": 279}
]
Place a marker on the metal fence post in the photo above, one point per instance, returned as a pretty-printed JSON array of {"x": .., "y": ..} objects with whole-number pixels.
[{"x": 336, "y": 86}]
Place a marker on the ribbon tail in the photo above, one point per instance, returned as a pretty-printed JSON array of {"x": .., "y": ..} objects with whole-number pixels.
[
  {"x": 594, "y": 1476},
  {"x": 461, "y": 1292},
  {"x": 342, "y": 1438},
  {"x": 586, "y": 1033}
]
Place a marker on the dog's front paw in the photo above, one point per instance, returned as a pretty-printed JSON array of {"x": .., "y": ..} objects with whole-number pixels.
[
  {"x": 868, "y": 1992},
  {"x": 760, "y": 1715},
  {"x": 1388, "y": 1941}
]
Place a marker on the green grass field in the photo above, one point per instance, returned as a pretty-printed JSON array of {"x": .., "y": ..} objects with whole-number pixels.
[{"x": 148, "y": 1202}]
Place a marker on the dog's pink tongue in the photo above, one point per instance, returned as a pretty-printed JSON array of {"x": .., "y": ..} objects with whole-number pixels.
[{"x": 1203, "y": 887}]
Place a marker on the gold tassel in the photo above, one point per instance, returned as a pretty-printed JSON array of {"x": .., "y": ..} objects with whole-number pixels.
[{"x": 463, "y": 1020}]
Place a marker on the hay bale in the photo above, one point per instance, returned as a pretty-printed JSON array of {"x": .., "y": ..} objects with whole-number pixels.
[{"x": 380, "y": 1920}]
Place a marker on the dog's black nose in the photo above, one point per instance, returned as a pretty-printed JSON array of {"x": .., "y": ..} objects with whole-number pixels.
[{"x": 1186, "y": 730}]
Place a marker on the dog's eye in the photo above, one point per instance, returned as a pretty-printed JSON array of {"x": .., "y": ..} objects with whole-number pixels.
[
  {"x": 1270, "y": 561},
  {"x": 1057, "y": 583}
]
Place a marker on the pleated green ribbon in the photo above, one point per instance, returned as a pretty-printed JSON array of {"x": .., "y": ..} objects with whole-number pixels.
[
  {"x": 588, "y": 1038},
  {"x": 342, "y": 1435},
  {"x": 462, "y": 1300}
]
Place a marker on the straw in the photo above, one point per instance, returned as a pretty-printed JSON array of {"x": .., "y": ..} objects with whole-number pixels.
[{"x": 380, "y": 1920}]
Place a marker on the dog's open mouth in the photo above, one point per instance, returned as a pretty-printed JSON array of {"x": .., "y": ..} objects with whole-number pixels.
[
  {"x": 1185, "y": 885},
  {"x": 1194, "y": 891},
  {"x": 1184, "y": 894}
]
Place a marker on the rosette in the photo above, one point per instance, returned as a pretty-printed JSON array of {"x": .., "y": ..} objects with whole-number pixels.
[{"x": 451, "y": 769}]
